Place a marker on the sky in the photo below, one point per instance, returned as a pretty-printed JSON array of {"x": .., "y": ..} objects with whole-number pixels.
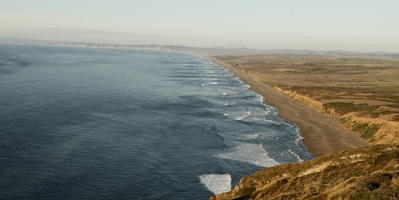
[{"x": 361, "y": 25}]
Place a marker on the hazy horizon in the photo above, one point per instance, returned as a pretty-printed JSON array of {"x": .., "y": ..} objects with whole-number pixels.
[{"x": 321, "y": 25}]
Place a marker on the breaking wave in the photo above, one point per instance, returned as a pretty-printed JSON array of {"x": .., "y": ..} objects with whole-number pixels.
[
  {"x": 216, "y": 183},
  {"x": 250, "y": 153}
]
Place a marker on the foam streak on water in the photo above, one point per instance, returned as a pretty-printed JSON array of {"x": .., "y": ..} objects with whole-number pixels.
[
  {"x": 250, "y": 153},
  {"x": 217, "y": 183}
]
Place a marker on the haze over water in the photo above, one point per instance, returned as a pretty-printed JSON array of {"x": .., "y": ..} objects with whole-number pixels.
[{"x": 79, "y": 123}]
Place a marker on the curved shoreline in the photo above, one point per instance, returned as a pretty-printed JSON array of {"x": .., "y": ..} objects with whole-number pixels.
[{"x": 321, "y": 133}]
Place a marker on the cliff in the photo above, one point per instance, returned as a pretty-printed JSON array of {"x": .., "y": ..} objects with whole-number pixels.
[
  {"x": 364, "y": 173},
  {"x": 375, "y": 130}
]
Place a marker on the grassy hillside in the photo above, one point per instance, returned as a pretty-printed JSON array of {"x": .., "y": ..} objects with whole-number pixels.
[
  {"x": 364, "y": 173},
  {"x": 362, "y": 92}
]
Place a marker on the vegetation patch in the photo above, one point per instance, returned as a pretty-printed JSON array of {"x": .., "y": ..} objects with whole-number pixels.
[
  {"x": 370, "y": 131},
  {"x": 360, "y": 127},
  {"x": 346, "y": 107},
  {"x": 365, "y": 130},
  {"x": 343, "y": 120},
  {"x": 396, "y": 118}
]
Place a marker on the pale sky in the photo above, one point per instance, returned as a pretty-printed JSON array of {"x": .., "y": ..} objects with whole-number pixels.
[{"x": 364, "y": 25}]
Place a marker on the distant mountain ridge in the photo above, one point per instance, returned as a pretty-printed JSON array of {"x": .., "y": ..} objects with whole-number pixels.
[{"x": 203, "y": 50}]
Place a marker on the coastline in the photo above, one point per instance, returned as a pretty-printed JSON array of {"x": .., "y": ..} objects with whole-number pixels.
[{"x": 321, "y": 133}]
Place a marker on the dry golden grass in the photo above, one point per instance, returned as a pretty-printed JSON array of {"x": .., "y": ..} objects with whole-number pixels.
[
  {"x": 367, "y": 87},
  {"x": 326, "y": 77},
  {"x": 364, "y": 173},
  {"x": 362, "y": 93}
]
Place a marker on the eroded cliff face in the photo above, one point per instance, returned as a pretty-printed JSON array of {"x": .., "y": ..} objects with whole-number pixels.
[
  {"x": 376, "y": 131},
  {"x": 363, "y": 173},
  {"x": 318, "y": 106}
]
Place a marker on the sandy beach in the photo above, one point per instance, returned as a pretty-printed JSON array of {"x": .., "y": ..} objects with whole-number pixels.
[{"x": 322, "y": 133}]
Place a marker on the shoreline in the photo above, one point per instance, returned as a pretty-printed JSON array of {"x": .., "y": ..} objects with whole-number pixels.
[{"x": 321, "y": 132}]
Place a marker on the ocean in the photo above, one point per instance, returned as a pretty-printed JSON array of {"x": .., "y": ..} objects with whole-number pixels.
[{"x": 81, "y": 123}]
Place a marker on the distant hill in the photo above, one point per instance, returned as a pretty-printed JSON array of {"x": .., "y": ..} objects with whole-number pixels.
[{"x": 201, "y": 50}]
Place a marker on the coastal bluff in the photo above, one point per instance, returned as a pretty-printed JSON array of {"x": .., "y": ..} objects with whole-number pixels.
[{"x": 364, "y": 173}]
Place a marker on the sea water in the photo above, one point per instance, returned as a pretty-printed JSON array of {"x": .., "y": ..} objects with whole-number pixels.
[{"x": 80, "y": 123}]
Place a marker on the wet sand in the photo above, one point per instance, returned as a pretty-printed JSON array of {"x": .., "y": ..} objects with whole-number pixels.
[{"x": 322, "y": 133}]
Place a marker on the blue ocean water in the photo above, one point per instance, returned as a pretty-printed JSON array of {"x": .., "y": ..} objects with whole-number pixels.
[{"x": 80, "y": 123}]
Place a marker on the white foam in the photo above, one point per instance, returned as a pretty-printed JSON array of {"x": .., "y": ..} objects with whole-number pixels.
[
  {"x": 259, "y": 98},
  {"x": 216, "y": 183},
  {"x": 271, "y": 121},
  {"x": 229, "y": 104},
  {"x": 299, "y": 138},
  {"x": 296, "y": 155},
  {"x": 224, "y": 93},
  {"x": 252, "y": 136},
  {"x": 243, "y": 116},
  {"x": 209, "y": 83},
  {"x": 250, "y": 153},
  {"x": 256, "y": 119}
]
